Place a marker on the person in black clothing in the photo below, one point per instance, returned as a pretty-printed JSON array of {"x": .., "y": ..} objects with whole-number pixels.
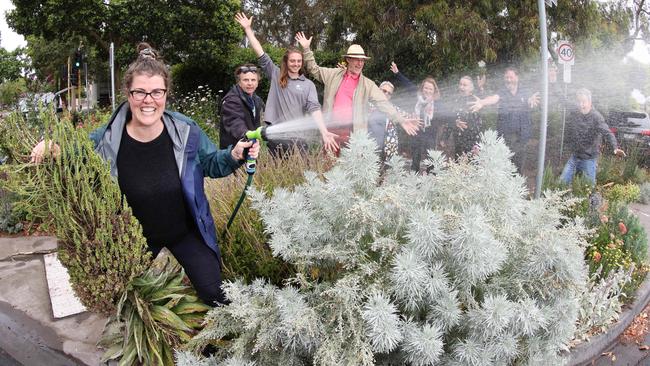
[
  {"x": 514, "y": 122},
  {"x": 159, "y": 159},
  {"x": 583, "y": 135},
  {"x": 241, "y": 108},
  {"x": 463, "y": 124}
]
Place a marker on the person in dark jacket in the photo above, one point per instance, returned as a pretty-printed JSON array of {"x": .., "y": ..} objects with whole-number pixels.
[
  {"x": 159, "y": 159},
  {"x": 583, "y": 135},
  {"x": 463, "y": 124},
  {"x": 241, "y": 108},
  {"x": 514, "y": 122}
]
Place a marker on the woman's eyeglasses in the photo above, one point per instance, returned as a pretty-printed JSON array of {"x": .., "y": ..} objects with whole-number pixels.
[{"x": 140, "y": 95}]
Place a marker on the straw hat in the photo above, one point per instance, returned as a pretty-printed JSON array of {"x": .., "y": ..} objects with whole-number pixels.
[{"x": 356, "y": 51}]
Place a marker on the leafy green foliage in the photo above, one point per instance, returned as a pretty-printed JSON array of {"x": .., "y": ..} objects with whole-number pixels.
[
  {"x": 11, "y": 64},
  {"x": 202, "y": 106},
  {"x": 10, "y": 220},
  {"x": 10, "y": 91},
  {"x": 622, "y": 193},
  {"x": 620, "y": 242},
  {"x": 157, "y": 313},
  {"x": 184, "y": 32},
  {"x": 414, "y": 270},
  {"x": 100, "y": 242}
]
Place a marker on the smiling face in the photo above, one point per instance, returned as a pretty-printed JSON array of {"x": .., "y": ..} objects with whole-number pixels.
[
  {"x": 147, "y": 112},
  {"x": 465, "y": 86},
  {"x": 511, "y": 80},
  {"x": 428, "y": 90},
  {"x": 355, "y": 65},
  {"x": 248, "y": 82},
  {"x": 294, "y": 64},
  {"x": 584, "y": 103}
]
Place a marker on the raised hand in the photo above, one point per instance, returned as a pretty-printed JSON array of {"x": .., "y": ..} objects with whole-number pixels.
[
  {"x": 481, "y": 80},
  {"x": 620, "y": 153},
  {"x": 304, "y": 42},
  {"x": 393, "y": 68},
  {"x": 243, "y": 20},
  {"x": 461, "y": 125},
  {"x": 38, "y": 152},
  {"x": 533, "y": 101}
]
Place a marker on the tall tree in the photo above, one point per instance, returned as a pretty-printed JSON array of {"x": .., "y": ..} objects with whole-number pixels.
[
  {"x": 11, "y": 64},
  {"x": 200, "y": 32}
]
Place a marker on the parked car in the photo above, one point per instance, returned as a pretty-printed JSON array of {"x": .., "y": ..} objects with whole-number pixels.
[{"x": 632, "y": 131}]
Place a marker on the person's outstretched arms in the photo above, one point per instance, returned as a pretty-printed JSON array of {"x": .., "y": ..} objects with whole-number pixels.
[
  {"x": 246, "y": 24},
  {"x": 479, "y": 103}
]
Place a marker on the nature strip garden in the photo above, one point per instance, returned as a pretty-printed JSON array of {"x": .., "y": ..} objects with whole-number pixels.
[{"x": 331, "y": 266}]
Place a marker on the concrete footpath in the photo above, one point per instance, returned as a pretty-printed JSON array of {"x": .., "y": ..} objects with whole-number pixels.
[{"x": 29, "y": 334}]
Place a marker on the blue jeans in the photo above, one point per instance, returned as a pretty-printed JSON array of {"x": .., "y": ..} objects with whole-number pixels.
[{"x": 574, "y": 165}]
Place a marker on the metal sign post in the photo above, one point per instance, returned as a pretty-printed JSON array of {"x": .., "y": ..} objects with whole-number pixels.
[
  {"x": 112, "y": 67},
  {"x": 544, "y": 121},
  {"x": 566, "y": 57}
]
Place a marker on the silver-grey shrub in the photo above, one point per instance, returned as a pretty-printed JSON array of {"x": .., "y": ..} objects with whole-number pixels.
[{"x": 457, "y": 267}]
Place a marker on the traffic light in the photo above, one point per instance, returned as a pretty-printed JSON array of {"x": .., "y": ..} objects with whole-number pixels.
[
  {"x": 78, "y": 60},
  {"x": 74, "y": 77}
]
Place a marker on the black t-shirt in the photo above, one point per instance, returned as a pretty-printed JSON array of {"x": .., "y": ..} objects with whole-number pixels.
[{"x": 149, "y": 179}]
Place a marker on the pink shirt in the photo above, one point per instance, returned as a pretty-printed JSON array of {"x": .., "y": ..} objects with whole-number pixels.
[{"x": 342, "y": 108}]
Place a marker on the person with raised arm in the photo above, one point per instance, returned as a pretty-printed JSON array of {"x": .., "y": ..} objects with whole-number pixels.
[
  {"x": 584, "y": 134},
  {"x": 514, "y": 121},
  {"x": 347, "y": 92},
  {"x": 291, "y": 96},
  {"x": 425, "y": 108}
]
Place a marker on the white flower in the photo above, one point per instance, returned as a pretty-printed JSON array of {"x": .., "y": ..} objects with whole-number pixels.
[{"x": 481, "y": 64}]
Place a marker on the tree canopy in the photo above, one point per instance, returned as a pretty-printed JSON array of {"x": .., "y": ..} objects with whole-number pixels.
[
  {"x": 440, "y": 38},
  {"x": 197, "y": 32}
]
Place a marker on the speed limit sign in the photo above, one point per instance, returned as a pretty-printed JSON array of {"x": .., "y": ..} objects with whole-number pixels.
[{"x": 565, "y": 54}]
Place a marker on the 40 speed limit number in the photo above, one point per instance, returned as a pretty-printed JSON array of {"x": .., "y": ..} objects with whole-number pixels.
[{"x": 565, "y": 53}]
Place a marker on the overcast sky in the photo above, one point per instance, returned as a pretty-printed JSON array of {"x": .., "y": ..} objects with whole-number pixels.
[{"x": 10, "y": 40}]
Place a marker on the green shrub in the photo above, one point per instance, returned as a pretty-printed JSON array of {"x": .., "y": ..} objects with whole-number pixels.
[
  {"x": 244, "y": 247},
  {"x": 621, "y": 171},
  {"x": 157, "y": 314},
  {"x": 202, "y": 106},
  {"x": 10, "y": 219},
  {"x": 622, "y": 193},
  {"x": 619, "y": 243},
  {"x": 100, "y": 242}
]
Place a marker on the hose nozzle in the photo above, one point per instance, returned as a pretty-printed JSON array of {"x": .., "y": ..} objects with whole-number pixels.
[{"x": 259, "y": 134}]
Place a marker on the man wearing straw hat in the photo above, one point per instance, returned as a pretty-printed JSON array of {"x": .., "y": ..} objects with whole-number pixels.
[{"x": 347, "y": 93}]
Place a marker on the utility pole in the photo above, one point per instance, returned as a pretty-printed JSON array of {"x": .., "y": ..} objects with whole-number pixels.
[{"x": 541, "y": 4}]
